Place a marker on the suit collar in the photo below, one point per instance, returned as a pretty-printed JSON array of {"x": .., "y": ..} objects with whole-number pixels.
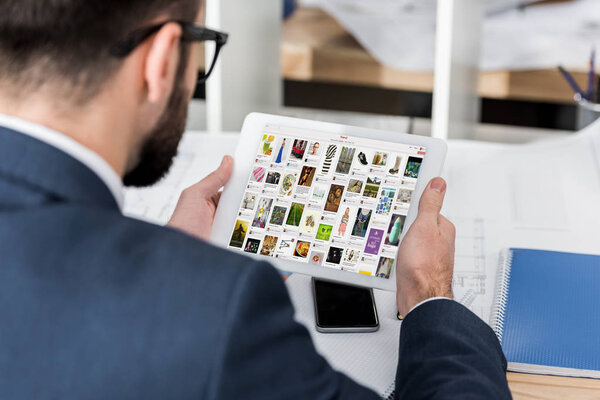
[
  {"x": 44, "y": 168},
  {"x": 72, "y": 148}
]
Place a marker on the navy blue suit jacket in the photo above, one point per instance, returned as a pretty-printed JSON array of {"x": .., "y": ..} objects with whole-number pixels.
[{"x": 94, "y": 305}]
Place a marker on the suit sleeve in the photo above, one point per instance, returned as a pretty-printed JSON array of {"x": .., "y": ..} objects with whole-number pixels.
[
  {"x": 268, "y": 355},
  {"x": 447, "y": 352}
]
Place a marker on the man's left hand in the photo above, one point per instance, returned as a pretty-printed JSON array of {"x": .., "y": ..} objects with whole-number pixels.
[{"x": 197, "y": 204}]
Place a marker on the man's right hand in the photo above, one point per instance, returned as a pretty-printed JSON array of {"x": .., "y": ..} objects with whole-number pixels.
[{"x": 426, "y": 255}]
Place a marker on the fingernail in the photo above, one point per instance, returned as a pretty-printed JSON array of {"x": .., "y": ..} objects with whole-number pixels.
[{"x": 438, "y": 184}]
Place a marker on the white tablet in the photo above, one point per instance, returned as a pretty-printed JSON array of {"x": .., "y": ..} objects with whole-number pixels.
[{"x": 322, "y": 199}]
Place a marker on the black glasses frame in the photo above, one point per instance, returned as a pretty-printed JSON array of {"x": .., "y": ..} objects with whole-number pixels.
[{"x": 190, "y": 33}]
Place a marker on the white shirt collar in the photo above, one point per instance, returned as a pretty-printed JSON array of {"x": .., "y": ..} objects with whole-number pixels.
[{"x": 69, "y": 146}]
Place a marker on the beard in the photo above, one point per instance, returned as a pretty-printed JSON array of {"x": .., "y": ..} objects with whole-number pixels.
[{"x": 160, "y": 148}]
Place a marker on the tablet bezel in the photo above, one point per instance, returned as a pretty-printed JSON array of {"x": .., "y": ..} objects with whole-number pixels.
[{"x": 245, "y": 155}]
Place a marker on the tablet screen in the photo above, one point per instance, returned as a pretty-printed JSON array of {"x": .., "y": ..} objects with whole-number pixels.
[{"x": 333, "y": 201}]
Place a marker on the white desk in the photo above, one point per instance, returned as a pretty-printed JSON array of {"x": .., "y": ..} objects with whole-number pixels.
[{"x": 542, "y": 195}]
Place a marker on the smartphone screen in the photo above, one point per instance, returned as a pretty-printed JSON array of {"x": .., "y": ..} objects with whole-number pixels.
[{"x": 344, "y": 308}]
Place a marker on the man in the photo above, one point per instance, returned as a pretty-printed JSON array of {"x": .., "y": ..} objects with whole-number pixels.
[{"x": 96, "y": 305}]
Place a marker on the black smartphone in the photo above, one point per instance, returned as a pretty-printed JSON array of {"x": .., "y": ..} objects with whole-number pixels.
[{"x": 344, "y": 308}]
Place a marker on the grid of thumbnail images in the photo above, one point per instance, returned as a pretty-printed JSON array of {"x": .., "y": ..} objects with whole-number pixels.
[{"x": 332, "y": 203}]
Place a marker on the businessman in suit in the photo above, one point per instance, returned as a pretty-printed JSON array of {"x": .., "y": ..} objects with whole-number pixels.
[{"x": 94, "y": 305}]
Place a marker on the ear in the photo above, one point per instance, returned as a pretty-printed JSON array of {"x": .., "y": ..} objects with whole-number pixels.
[{"x": 161, "y": 63}]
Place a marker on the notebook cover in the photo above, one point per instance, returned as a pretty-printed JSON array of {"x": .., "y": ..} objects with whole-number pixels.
[{"x": 552, "y": 309}]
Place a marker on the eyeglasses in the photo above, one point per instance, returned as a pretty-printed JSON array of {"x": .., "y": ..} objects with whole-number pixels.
[{"x": 190, "y": 33}]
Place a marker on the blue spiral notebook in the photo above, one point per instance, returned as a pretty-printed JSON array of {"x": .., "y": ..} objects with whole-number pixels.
[{"x": 547, "y": 312}]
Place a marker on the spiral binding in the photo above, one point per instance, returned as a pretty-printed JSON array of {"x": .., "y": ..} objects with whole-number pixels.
[{"x": 501, "y": 293}]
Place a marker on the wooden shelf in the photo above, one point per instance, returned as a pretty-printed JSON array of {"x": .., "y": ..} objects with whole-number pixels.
[{"x": 315, "y": 48}]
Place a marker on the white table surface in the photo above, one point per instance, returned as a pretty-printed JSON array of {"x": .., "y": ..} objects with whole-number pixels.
[{"x": 540, "y": 195}]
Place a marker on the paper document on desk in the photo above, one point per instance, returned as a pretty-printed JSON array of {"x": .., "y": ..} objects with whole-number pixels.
[
  {"x": 371, "y": 359},
  {"x": 542, "y": 195},
  {"x": 198, "y": 155},
  {"x": 401, "y": 33}
]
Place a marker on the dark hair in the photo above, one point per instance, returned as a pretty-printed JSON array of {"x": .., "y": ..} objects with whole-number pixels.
[{"x": 45, "y": 40}]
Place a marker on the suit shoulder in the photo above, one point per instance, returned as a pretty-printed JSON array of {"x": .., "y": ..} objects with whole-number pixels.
[
  {"x": 143, "y": 246},
  {"x": 166, "y": 243}
]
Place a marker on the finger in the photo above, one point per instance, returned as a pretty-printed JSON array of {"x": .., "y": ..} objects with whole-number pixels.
[
  {"x": 217, "y": 179},
  {"x": 432, "y": 200}
]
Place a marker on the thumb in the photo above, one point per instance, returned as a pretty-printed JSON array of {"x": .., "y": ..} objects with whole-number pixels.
[
  {"x": 432, "y": 199},
  {"x": 218, "y": 178}
]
